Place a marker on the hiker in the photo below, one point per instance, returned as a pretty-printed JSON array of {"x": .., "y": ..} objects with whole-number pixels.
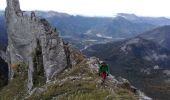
[{"x": 104, "y": 71}]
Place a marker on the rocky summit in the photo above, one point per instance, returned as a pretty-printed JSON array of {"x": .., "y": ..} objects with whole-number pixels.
[
  {"x": 34, "y": 42},
  {"x": 42, "y": 66}
]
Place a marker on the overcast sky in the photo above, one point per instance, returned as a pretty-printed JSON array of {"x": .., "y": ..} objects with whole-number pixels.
[{"x": 98, "y": 7}]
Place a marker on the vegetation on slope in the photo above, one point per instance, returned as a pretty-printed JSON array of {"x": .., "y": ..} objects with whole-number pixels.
[
  {"x": 16, "y": 89},
  {"x": 76, "y": 83}
]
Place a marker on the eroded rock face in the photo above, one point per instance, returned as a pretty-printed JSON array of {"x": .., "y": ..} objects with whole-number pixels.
[{"x": 31, "y": 40}]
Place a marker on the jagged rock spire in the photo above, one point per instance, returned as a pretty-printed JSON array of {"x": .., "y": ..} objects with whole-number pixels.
[
  {"x": 34, "y": 42},
  {"x": 13, "y": 4}
]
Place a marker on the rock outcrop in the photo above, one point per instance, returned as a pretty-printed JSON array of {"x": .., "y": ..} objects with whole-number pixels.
[
  {"x": 33, "y": 41},
  {"x": 93, "y": 63},
  {"x": 79, "y": 82}
]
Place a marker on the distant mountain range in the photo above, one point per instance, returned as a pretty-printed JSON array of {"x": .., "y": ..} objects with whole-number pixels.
[
  {"x": 150, "y": 20},
  {"x": 144, "y": 60},
  {"x": 159, "y": 36},
  {"x": 94, "y": 28}
]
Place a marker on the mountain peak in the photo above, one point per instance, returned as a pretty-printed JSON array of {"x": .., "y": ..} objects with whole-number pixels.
[
  {"x": 34, "y": 42},
  {"x": 13, "y": 4},
  {"x": 51, "y": 14}
]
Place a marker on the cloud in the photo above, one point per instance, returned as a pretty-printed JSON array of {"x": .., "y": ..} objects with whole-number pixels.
[{"x": 99, "y": 7}]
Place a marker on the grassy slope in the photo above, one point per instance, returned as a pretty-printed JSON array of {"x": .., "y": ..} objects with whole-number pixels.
[
  {"x": 76, "y": 83},
  {"x": 16, "y": 89}
]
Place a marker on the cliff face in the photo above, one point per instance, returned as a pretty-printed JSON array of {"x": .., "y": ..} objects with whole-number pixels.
[{"x": 33, "y": 41}]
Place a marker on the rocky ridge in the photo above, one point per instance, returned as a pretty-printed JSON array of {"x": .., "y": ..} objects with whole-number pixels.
[
  {"x": 79, "y": 82},
  {"x": 38, "y": 57},
  {"x": 33, "y": 41}
]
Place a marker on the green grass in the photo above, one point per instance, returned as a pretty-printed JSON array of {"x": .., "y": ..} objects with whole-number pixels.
[
  {"x": 124, "y": 94},
  {"x": 66, "y": 89},
  {"x": 76, "y": 83},
  {"x": 92, "y": 95},
  {"x": 82, "y": 89},
  {"x": 16, "y": 89}
]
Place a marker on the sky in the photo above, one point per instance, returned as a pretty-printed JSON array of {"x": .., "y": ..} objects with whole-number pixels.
[{"x": 156, "y": 8}]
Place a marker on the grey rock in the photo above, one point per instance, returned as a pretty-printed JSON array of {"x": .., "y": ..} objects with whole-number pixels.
[
  {"x": 3, "y": 55},
  {"x": 29, "y": 37}
]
